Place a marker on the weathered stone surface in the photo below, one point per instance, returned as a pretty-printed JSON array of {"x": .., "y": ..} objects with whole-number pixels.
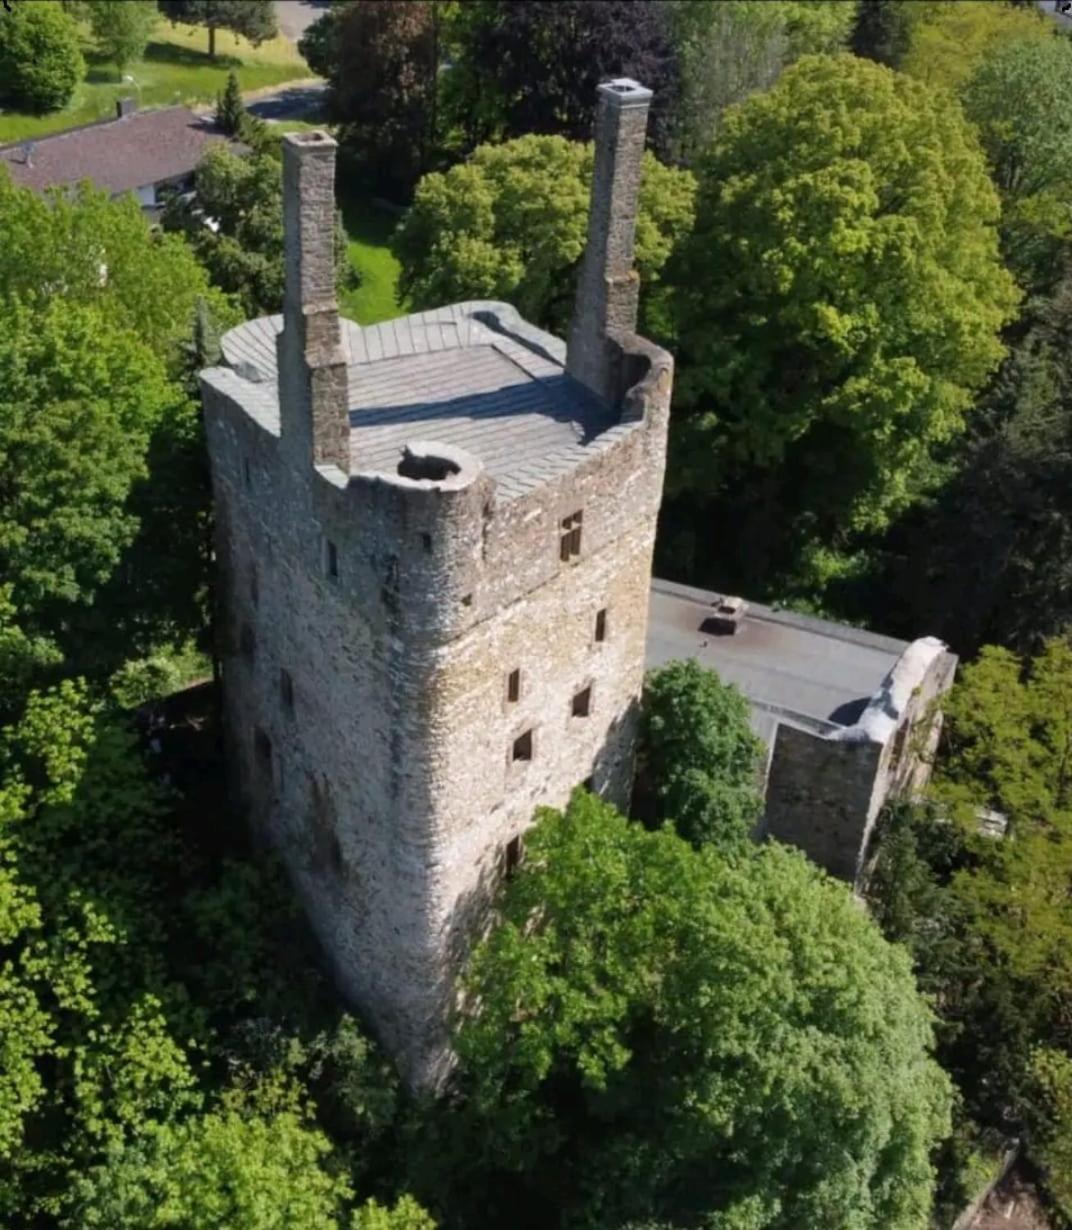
[{"x": 372, "y": 618}]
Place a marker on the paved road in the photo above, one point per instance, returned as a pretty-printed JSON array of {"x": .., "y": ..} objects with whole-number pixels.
[
  {"x": 304, "y": 100},
  {"x": 295, "y": 15}
]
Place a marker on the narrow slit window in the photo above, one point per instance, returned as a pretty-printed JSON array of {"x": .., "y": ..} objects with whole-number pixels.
[
  {"x": 248, "y": 642},
  {"x": 512, "y": 856},
  {"x": 246, "y": 472},
  {"x": 262, "y": 747},
  {"x": 601, "y": 625},
  {"x": 331, "y": 560},
  {"x": 582, "y": 703},
  {"x": 254, "y": 588},
  {"x": 513, "y": 685},
  {"x": 570, "y": 542},
  {"x": 523, "y": 746},
  {"x": 286, "y": 689}
]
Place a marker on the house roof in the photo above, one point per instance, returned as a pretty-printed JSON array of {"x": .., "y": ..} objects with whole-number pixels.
[{"x": 120, "y": 155}]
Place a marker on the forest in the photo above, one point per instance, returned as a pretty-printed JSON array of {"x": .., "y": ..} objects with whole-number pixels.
[{"x": 855, "y": 237}]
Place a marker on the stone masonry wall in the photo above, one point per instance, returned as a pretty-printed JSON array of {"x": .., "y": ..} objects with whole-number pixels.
[{"x": 389, "y": 788}]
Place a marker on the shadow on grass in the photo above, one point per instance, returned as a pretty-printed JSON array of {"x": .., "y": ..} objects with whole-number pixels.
[
  {"x": 188, "y": 57},
  {"x": 366, "y": 222}
]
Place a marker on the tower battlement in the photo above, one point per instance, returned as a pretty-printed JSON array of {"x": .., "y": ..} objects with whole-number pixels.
[{"x": 434, "y": 543}]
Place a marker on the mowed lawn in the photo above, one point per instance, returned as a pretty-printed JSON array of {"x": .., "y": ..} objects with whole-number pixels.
[
  {"x": 368, "y": 229},
  {"x": 175, "y": 69}
]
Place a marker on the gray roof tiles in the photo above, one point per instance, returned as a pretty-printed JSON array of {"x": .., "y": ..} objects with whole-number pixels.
[{"x": 445, "y": 375}]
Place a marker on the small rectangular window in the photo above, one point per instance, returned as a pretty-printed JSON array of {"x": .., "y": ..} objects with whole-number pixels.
[
  {"x": 331, "y": 560},
  {"x": 601, "y": 625},
  {"x": 246, "y": 473},
  {"x": 513, "y": 686},
  {"x": 582, "y": 703},
  {"x": 286, "y": 688},
  {"x": 512, "y": 856},
  {"x": 570, "y": 542},
  {"x": 523, "y": 746}
]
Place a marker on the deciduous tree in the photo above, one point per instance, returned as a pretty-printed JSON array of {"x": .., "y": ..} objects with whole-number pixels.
[
  {"x": 252, "y": 19},
  {"x": 700, "y": 758},
  {"x": 510, "y": 223},
  {"x": 40, "y": 59},
  {"x": 656, "y": 1032},
  {"x": 122, "y": 28},
  {"x": 839, "y": 303},
  {"x": 534, "y": 67}
]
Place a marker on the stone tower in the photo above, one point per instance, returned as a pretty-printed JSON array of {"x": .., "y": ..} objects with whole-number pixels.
[{"x": 434, "y": 542}]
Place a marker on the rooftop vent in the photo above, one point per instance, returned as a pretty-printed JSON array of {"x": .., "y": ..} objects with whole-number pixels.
[{"x": 125, "y": 106}]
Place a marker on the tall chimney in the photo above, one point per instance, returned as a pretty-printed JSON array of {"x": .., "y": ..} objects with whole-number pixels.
[
  {"x": 313, "y": 398},
  {"x": 608, "y": 286}
]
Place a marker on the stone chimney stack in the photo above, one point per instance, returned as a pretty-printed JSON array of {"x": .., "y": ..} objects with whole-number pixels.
[
  {"x": 313, "y": 397},
  {"x": 608, "y": 286}
]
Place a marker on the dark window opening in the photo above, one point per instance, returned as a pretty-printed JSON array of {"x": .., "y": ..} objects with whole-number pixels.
[
  {"x": 512, "y": 856},
  {"x": 246, "y": 473},
  {"x": 254, "y": 588},
  {"x": 467, "y": 600},
  {"x": 513, "y": 685},
  {"x": 601, "y": 625},
  {"x": 426, "y": 539},
  {"x": 570, "y": 542},
  {"x": 523, "y": 746},
  {"x": 286, "y": 688},
  {"x": 582, "y": 703},
  {"x": 248, "y": 642},
  {"x": 332, "y": 560},
  {"x": 262, "y": 747}
]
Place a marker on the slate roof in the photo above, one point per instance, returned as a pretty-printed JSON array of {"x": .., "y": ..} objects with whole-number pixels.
[
  {"x": 809, "y": 672},
  {"x": 447, "y": 375},
  {"x": 146, "y": 147}
]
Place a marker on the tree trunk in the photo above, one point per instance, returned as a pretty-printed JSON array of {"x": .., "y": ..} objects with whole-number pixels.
[{"x": 212, "y": 42}]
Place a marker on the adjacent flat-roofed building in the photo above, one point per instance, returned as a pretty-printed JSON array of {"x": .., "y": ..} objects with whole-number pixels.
[
  {"x": 149, "y": 153},
  {"x": 434, "y": 540},
  {"x": 845, "y": 713}
]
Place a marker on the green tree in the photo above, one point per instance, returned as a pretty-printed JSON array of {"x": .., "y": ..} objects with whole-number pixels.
[
  {"x": 882, "y": 31},
  {"x": 700, "y": 757},
  {"x": 1020, "y": 97},
  {"x": 730, "y": 49},
  {"x": 100, "y": 252},
  {"x": 219, "y": 1169},
  {"x": 40, "y": 58},
  {"x": 79, "y": 402},
  {"x": 383, "y": 62},
  {"x": 510, "y": 223},
  {"x": 243, "y": 255},
  {"x": 948, "y": 39},
  {"x": 534, "y": 67},
  {"x": 230, "y": 109},
  {"x": 839, "y": 303},
  {"x": 251, "y": 19},
  {"x": 656, "y": 1032},
  {"x": 122, "y": 28}
]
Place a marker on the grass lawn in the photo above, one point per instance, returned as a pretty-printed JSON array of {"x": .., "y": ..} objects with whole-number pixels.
[
  {"x": 368, "y": 228},
  {"x": 176, "y": 69}
]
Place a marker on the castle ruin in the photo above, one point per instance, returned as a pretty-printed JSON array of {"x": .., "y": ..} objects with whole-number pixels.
[{"x": 434, "y": 546}]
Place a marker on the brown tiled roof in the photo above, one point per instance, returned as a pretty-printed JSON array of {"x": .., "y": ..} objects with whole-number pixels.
[{"x": 121, "y": 154}]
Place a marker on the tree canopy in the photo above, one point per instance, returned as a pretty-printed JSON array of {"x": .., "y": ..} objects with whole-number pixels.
[
  {"x": 252, "y": 19},
  {"x": 1020, "y": 97},
  {"x": 534, "y": 67},
  {"x": 839, "y": 303},
  {"x": 656, "y": 1032},
  {"x": 510, "y": 223},
  {"x": 699, "y": 755},
  {"x": 40, "y": 58},
  {"x": 122, "y": 28}
]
